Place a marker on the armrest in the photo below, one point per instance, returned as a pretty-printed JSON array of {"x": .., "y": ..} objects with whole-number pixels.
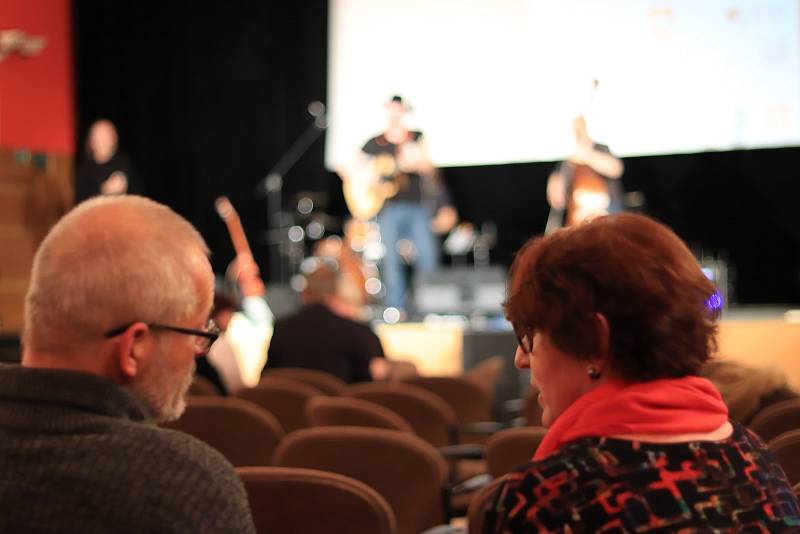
[
  {"x": 467, "y": 486},
  {"x": 466, "y": 451},
  {"x": 518, "y": 422},
  {"x": 512, "y": 405},
  {"x": 483, "y": 428},
  {"x": 471, "y": 484}
]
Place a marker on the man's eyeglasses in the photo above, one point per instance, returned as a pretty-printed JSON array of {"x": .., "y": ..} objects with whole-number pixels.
[{"x": 203, "y": 338}]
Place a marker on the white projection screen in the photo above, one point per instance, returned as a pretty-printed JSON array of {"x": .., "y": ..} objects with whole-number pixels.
[{"x": 498, "y": 81}]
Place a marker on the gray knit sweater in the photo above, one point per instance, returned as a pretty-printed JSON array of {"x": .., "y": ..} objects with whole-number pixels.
[{"x": 79, "y": 453}]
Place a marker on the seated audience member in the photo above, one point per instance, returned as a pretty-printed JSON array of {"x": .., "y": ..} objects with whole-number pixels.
[
  {"x": 221, "y": 366},
  {"x": 246, "y": 329},
  {"x": 615, "y": 319},
  {"x": 116, "y": 313},
  {"x": 748, "y": 390},
  {"x": 223, "y": 362},
  {"x": 236, "y": 358},
  {"x": 322, "y": 335}
]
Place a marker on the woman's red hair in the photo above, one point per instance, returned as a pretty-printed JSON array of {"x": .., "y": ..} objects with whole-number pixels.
[{"x": 635, "y": 272}]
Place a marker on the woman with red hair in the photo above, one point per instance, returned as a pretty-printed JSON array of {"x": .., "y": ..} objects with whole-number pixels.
[{"x": 614, "y": 319}]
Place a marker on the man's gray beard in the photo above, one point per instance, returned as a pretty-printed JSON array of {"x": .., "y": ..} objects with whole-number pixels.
[{"x": 157, "y": 388}]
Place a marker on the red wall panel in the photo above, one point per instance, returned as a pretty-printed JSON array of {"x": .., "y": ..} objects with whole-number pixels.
[{"x": 36, "y": 93}]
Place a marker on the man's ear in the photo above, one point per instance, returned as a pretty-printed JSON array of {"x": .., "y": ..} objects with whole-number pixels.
[{"x": 134, "y": 349}]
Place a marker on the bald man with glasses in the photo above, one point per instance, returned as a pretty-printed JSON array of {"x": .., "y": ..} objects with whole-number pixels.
[{"x": 116, "y": 313}]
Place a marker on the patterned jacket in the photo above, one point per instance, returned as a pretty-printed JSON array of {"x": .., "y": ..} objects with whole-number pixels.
[{"x": 614, "y": 485}]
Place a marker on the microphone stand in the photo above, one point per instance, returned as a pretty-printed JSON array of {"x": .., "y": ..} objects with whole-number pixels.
[{"x": 273, "y": 186}]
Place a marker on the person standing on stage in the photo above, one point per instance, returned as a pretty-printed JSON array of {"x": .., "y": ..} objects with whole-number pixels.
[
  {"x": 562, "y": 186},
  {"x": 399, "y": 156},
  {"x": 106, "y": 170}
]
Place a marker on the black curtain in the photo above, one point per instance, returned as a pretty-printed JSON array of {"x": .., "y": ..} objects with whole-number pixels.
[{"x": 208, "y": 96}]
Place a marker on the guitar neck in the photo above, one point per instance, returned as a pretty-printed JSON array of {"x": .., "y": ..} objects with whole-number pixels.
[
  {"x": 247, "y": 271},
  {"x": 238, "y": 237},
  {"x": 229, "y": 215}
]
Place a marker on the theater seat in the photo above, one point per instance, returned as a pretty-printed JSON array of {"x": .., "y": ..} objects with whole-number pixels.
[
  {"x": 511, "y": 448},
  {"x": 345, "y": 411},
  {"x": 776, "y": 419},
  {"x": 470, "y": 402},
  {"x": 326, "y": 383},
  {"x": 202, "y": 386},
  {"x": 487, "y": 373},
  {"x": 477, "y": 508},
  {"x": 430, "y": 417},
  {"x": 287, "y": 500},
  {"x": 407, "y": 471},
  {"x": 531, "y": 410},
  {"x": 243, "y": 432},
  {"x": 786, "y": 449},
  {"x": 284, "y": 398}
]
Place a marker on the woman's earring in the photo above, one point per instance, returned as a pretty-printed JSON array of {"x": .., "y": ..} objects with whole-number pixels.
[{"x": 593, "y": 373}]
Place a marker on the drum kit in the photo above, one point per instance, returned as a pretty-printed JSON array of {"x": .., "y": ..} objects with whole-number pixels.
[{"x": 357, "y": 248}]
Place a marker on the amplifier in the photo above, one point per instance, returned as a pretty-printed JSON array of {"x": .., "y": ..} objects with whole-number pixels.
[{"x": 461, "y": 290}]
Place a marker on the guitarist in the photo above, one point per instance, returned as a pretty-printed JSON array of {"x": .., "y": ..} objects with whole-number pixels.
[
  {"x": 400, "y": 158},
  {"x": 562, "y": 186}
]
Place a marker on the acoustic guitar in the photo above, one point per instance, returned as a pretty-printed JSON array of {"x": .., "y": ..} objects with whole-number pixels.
[{"x": 365, "y": 187}]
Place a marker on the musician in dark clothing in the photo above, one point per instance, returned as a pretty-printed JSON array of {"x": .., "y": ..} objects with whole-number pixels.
[
  {"x": 560, "y": 185},
  {"x": 106, "y": 170},
  {"x": 400, "y": 156}
]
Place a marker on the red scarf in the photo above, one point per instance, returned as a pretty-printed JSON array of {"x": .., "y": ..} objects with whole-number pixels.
[{"x": 667, "y": 406}]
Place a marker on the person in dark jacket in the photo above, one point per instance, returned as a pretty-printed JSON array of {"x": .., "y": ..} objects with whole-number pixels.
[
  {"x": 116, "y": 312},
  {"x": 323, "y": 335}
]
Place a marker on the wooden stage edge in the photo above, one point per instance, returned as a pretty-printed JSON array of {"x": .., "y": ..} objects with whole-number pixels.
[{"x": 755, "y": 336}]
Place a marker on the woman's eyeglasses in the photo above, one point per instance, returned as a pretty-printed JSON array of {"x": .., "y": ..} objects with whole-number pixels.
[{"x": 525, "y": 342}]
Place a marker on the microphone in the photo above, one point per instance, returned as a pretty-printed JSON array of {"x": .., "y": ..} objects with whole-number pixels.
[{"x": 316, "y": 109}]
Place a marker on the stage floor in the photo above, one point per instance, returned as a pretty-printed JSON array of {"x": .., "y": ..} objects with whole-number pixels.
[{"x": 756, "y": 336}]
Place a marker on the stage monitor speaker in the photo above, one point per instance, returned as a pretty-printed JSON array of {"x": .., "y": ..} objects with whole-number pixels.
[{"x": 461, "y": 290}]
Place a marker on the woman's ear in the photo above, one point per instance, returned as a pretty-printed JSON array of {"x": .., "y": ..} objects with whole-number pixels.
[{"x": 603, "y": 357}]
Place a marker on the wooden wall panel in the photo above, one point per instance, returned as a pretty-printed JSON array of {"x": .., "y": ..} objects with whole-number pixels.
[{"x": 35, "y": 191}]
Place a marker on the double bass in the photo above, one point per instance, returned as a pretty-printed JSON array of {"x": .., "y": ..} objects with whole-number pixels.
[
  {"x": 588, "y": 195},
  {"x": 586, "y": 192}
]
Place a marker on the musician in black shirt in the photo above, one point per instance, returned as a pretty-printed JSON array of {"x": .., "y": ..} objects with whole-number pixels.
[{"x": 399, "y": 155}]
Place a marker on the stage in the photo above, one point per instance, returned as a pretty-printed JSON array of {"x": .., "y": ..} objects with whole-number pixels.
[{"x": 754, "y": 336}]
